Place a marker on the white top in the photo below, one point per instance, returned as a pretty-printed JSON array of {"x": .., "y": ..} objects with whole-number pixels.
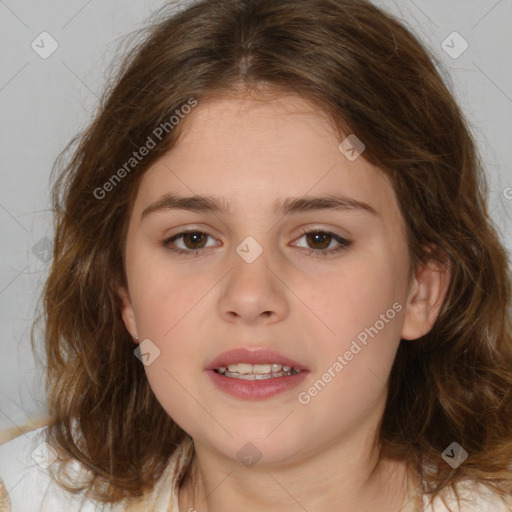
[{"x": 25, "y": 463}]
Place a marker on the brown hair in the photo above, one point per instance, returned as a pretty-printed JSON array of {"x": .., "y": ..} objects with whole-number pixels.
[{"x": 373, "y": 78}]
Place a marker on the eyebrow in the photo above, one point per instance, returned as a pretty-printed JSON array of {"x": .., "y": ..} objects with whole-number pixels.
[{"x": 283, "y": 206}]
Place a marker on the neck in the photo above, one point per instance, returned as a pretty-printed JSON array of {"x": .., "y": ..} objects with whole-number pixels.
[{"x": 341, "y": 476}]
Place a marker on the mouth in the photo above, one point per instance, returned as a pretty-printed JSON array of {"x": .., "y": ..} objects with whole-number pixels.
[{"x": 255, "y": 374}]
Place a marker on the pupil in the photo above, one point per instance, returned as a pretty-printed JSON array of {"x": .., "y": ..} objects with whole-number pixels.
[
  {"x": 312, "y": 237},
  {"x": 189, "y": 236}
]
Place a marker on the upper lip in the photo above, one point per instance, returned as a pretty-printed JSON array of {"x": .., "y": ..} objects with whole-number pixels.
[{"x": 257, "y": 356}]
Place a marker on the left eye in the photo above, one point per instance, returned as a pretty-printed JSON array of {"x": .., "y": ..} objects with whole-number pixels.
[
  {"x": 195, "y": 241},
  {"x": 324, "y": 239}
]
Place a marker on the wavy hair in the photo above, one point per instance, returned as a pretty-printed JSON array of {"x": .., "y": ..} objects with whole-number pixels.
[{"x": 373, "y": 78}]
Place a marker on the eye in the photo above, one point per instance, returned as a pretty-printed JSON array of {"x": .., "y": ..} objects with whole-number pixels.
[
  {"x": 194, "y": 241},
  {"x": 322, "y": 240}
]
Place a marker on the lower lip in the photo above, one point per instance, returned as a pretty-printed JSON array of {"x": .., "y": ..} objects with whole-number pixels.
[{"x": 256, "y": 389}]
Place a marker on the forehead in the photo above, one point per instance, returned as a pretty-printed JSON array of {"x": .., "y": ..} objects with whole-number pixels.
[{"x": 254, "y": 152}]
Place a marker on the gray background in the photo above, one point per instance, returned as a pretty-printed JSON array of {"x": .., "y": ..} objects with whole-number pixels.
[{"x": 44, "y": 102}]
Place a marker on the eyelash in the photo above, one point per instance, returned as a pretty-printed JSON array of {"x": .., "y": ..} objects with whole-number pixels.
[{"x": 322, "y": 253}]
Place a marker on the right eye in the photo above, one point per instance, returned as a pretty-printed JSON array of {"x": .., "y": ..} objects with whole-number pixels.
[{"x": 193, "y": 240}]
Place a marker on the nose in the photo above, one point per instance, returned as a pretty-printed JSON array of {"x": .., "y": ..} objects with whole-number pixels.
[{"x": 253, "y": 293}]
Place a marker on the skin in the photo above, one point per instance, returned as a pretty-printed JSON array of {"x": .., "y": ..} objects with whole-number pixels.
[{"x": 307, "y": 307}]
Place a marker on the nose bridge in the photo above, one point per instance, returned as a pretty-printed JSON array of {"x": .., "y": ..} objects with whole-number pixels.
[
  {"x": 251, "y": 272},
  {"x": 251, "y": 287}
]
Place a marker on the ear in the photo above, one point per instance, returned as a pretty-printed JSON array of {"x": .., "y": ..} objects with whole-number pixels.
[
  {"x": 127, "y": 312},
  {"x": 425, "y": 298}
]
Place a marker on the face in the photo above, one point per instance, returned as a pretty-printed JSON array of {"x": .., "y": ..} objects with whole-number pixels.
[{"x": 324, "y": 287}]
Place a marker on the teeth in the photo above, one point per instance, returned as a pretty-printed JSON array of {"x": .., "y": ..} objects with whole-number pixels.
[
  {"x": 243, "y": 368},
  {"x": 246, "y": 368},
  {"x": 252, "y": 376},
  {"x": 247, "y": 371},
  {"x": 262, "y": 368}
]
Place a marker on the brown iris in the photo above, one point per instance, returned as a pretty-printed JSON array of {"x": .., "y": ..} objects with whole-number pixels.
[
  {"x": 193, "y": 237},
  {"x": 313, "y": 238}
]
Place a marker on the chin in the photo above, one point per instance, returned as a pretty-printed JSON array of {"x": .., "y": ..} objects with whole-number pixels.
[{"x": 253, "y": 448}]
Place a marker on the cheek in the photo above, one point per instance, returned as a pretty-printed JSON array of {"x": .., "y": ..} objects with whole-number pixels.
[
  {"x": 363, "y": 308},
  {"x": 164, "y": 293},
  {"x": 355, "y": 359},
  {"x": 172, "y": 389},
  {"x": 354, "y": 299},
  {"x": 175, "y": 373}
]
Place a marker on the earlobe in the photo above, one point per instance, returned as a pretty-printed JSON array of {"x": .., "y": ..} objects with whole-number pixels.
[
  {"x": 127, "y": 312},
  {"x": 425, "y": 299}
]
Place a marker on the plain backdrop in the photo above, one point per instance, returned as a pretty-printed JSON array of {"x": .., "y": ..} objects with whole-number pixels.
[{"x": 45, "y": 101}]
